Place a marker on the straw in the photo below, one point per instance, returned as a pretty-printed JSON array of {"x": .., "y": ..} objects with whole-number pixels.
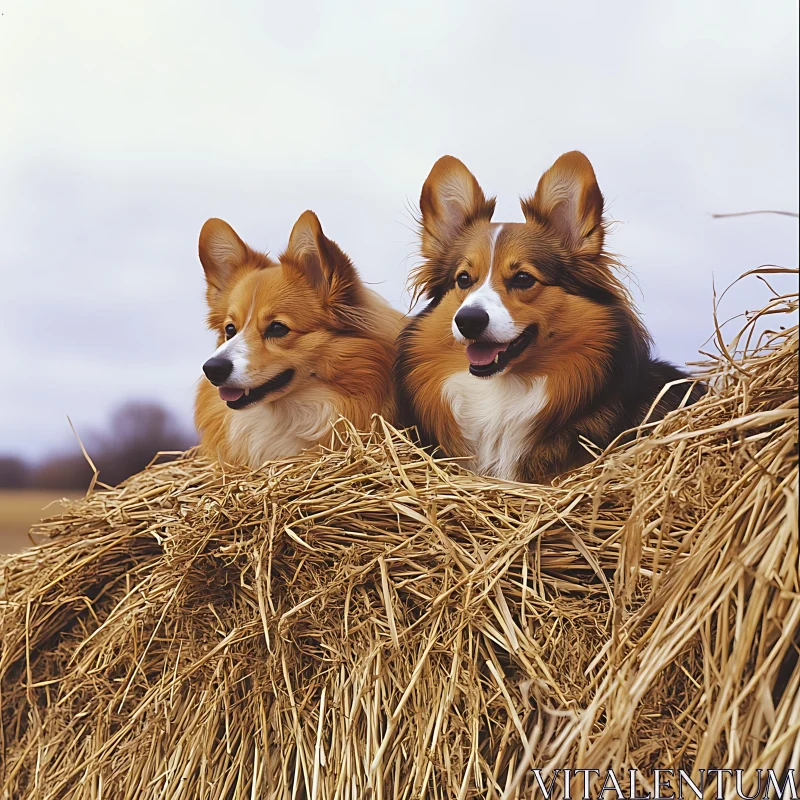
[{"x": 368, "y": 622}]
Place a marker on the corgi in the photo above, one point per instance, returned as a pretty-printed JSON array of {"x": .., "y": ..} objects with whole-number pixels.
[
  {"x": 301, "y": 341},
  {"x": 529, "y": 341}
]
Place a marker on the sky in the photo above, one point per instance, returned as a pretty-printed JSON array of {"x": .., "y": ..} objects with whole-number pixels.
[{"x": 124, "y": 126}]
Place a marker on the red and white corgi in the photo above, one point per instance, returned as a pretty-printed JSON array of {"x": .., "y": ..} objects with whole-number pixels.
[
  {"x": 529, "y": 340},
  {"x": 301, "y": 342}
]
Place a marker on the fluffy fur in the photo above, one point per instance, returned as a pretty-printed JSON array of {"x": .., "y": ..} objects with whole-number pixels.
[
  {"x": 337, "y": 351},
  {"x": 572, "y": 358}
]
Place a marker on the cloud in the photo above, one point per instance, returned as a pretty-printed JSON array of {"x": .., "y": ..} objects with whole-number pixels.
[{"x": 133, "y": 123}]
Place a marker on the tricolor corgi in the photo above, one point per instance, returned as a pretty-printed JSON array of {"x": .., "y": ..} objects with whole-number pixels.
[
  {"x": 301, "y": 341},
  {"x": 529, "y": 341}
]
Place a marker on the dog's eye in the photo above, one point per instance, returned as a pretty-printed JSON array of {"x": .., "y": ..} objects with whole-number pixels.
[
  {"x": 522, "y": 280},
  {"x": 230, "y": 331},
  {"x": 463, "y": 280},
  {"x": 275, "y": 330}
]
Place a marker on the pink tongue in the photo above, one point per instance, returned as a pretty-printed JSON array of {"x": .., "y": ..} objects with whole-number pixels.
[
  {"x": 482, "y": 353},
  {"x": 229, "y": 395}
]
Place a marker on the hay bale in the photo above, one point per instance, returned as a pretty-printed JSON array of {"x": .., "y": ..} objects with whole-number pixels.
[{"x": 369, "y": 622}]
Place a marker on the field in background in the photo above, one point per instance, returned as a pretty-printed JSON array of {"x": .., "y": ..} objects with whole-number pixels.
[{"x": 19, "y": 509}]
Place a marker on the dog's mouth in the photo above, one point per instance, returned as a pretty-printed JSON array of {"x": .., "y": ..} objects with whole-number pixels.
[
  {"x": 242, "y": 398},
  {"x": 490, "y": 358}
]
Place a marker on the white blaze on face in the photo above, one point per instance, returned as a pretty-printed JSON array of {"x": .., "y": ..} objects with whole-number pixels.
[
  {"x": 501, "y": 327},
  {"x": 236, "y": 351}
]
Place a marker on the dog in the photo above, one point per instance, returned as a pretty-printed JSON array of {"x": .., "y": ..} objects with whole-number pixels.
[
  {"x": 301, "y": 341},
  {"x": 529, "y": 341}
]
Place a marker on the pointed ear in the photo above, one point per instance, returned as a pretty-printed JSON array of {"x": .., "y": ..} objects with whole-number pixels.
[
  {"x": 451, "y": 199},
  {"x": 221, "y": 253},
  {"x": 569, "y": 202},
  {"x": 322, "y": 262}
]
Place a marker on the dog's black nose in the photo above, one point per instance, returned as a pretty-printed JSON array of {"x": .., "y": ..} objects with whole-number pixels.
[
  {"x": 217, "y": 370},
  {"x": 472, "y": 321}
]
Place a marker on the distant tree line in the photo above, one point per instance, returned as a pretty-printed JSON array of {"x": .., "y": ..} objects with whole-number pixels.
[{"x": 136, "y": 432}]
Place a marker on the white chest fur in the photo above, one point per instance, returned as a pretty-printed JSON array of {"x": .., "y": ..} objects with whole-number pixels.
[
  {"x": 495, "y": 416},
  {"x": 281, "y": 429}
]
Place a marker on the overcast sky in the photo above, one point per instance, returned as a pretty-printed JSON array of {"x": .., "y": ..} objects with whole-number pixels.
[{"x": 125, "y": 125}]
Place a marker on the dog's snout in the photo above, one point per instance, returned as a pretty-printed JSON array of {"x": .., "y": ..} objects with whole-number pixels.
[
  {"x": 217, "y": 370},
  {"x": 471, "y": 321}
]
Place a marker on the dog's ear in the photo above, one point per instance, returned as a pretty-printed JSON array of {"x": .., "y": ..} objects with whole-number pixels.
[
  {"x": 568, "y": 201},
  {"x": 323, "y": 264},
  {"x": 222, "y": 252},
  {"x": 451, "y": 199}
]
